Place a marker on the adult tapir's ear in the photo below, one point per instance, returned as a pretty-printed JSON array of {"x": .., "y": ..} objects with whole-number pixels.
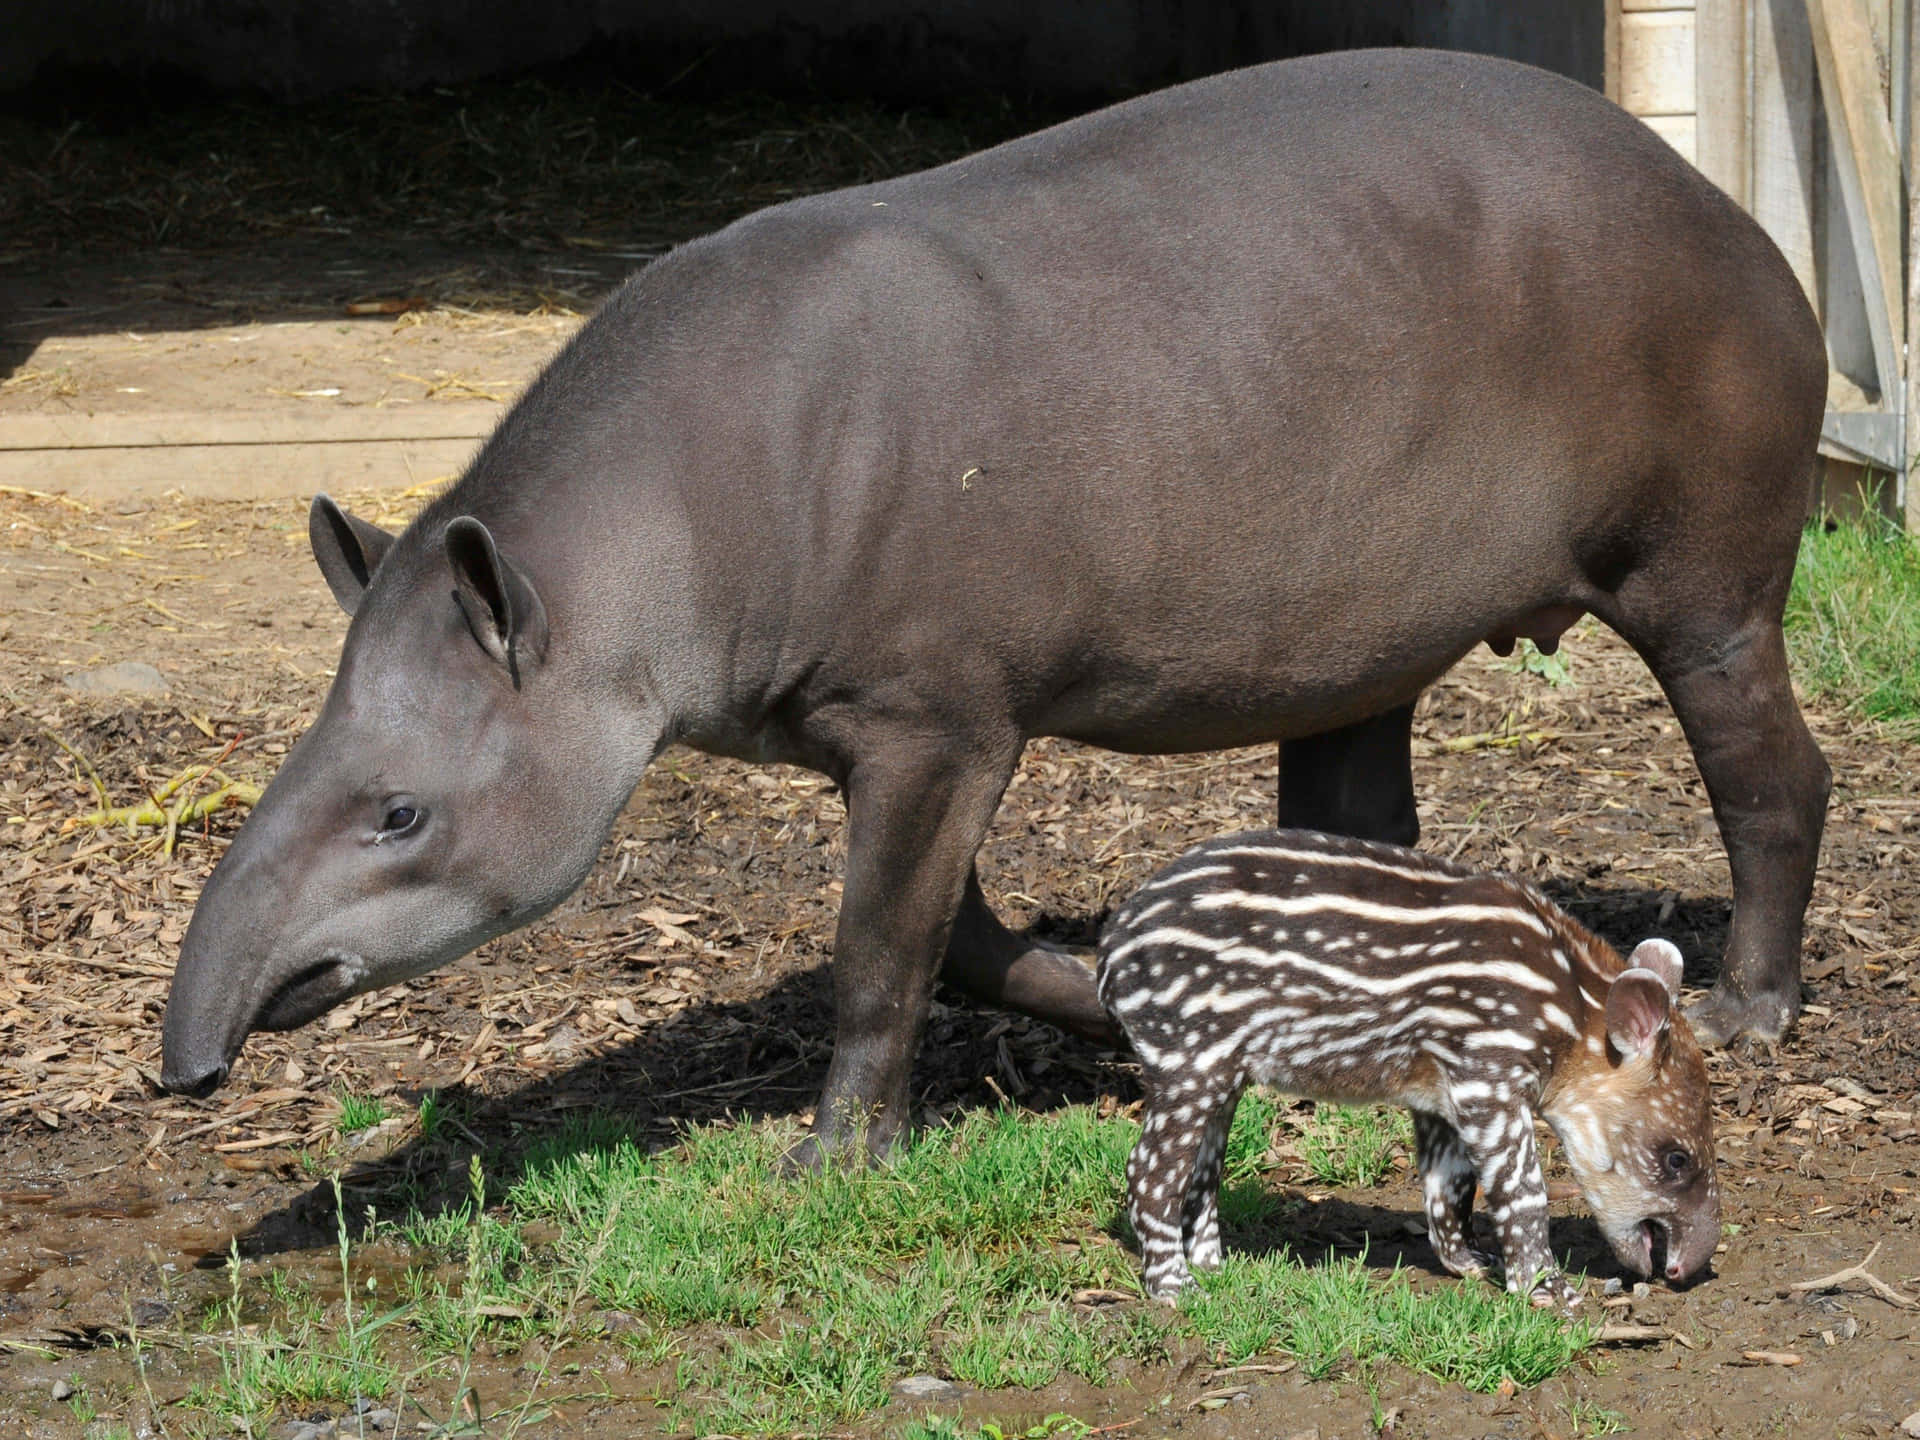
[
  {"x": 503, "y": 609},
  {"x": 348, "y": 549},
  {"x": 1663, "y": 958},
  {"x": 1639, "y": 1011}
]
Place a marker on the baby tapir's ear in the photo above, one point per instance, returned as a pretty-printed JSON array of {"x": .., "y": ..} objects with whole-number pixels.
[
  {"x": 1639, "y": 1010},
  {"x": 1663, "y": 958}
]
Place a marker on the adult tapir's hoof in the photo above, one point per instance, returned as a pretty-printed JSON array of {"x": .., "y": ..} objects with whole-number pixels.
[
  {"x": 846, "y": 1146},
  {"x": 1723, "y": 1016}
]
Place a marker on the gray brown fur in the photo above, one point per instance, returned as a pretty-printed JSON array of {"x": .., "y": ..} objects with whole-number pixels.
[{"x": 1345, "y": 970}]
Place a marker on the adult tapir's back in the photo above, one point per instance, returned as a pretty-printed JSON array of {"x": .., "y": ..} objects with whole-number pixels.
[{"x": 1237, "y": 412}]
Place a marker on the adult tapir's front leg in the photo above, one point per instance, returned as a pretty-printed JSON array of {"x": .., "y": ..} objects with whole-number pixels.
[{"x": 917, "y": 811}]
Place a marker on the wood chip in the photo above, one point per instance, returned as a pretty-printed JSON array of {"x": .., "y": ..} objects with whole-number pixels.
[{"x": 261, "y": 1142}]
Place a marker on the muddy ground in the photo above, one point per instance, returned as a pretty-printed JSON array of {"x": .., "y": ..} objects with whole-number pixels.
[{"x": 687, "y": 979}]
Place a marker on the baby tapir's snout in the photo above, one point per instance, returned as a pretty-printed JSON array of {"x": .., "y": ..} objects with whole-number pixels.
[{"x": 1344, "y": 970}]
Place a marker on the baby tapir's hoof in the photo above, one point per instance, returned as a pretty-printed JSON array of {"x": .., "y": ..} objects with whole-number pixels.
[
  {"x": 1552, "y": 1291},
  {"x": 1168, "y": 1285}
]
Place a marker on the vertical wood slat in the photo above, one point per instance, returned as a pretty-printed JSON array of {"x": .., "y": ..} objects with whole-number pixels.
[
  {"x": 1721, "y": 60},
  {"x": 1868, "y": 168},
  {"x": 1610, "y": 50},
  {"x": 1781, "y": 190},
  {"x": 1910, "y": 429}
]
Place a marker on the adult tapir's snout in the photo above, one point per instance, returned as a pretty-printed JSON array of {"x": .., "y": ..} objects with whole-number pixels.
[{"x": 242, "y": 966}]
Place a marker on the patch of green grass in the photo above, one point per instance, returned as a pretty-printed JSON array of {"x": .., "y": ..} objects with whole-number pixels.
[
  {"x": 302, "y": 1358},
  {"x": 80, "y": 1403},
  {"x": 789, "y": 1303},
  {"x": 1058, "y": 1426},
  {"x": 358, "y": 1112},
  {"x": 1339, "y": 1314},
  {"x": 1354, "y": 1147},
  {"x": 1589, "y": 1421},
  {"x": 1853, "y": 619}
]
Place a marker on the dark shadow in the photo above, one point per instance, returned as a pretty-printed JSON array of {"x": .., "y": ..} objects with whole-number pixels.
[
  {"x": 1318, "y": 1232},
  {"x": 757, "y": 1060},
  {"x": 156, "y": 204},
  {"x": 765, "y": 1059},
  {"x": 1625, "y": 915}
]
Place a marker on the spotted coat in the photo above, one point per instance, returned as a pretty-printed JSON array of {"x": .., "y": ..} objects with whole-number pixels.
[{"x": 1346, "y": 970}]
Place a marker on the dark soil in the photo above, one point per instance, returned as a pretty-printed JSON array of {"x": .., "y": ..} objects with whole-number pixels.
[{"x": 687, "y": 980}]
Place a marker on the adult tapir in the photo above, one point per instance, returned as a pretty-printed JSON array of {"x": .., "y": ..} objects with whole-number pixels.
[{"x": 1238, "y": 412}]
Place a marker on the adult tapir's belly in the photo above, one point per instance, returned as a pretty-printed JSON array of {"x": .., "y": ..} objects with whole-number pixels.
[{"x": 1237, "y": 412}]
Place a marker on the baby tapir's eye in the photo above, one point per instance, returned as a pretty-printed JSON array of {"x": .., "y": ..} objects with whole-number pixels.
[
  {"x": 400, "y": 817},
  {"x": 1677, "y": 1163}
]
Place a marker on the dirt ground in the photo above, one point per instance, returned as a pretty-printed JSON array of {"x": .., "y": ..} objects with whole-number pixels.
[{"x": 686, "y": 980}]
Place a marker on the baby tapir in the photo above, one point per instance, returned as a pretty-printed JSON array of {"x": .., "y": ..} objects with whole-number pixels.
[{"x": 1345, "y": 970}]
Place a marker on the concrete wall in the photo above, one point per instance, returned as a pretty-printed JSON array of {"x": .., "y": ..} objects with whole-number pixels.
[{"x": 899, "y": 49}]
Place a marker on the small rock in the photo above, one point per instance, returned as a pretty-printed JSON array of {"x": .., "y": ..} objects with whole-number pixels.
[
  {"x": 1613, "y": 1286},
  {"x": 1911, "y": 1425},
  {"x": 381, "y": 1419},
  {"x": 151, "y": 1312},
  {"x": 129, "y": 677},
  {"x": 926, "y": 1389},
  {"x": 1641, "y": 1290},
  {"x": 62, "y": 1390}
]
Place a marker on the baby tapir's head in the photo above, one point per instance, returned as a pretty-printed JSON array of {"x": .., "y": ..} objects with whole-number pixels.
[{"x": 1634, "y": 1110}]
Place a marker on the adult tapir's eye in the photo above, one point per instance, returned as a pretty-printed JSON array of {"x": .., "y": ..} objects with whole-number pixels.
[
  {"x": 401, "y": 816},
  {"x": 1677, "y": 1162}
]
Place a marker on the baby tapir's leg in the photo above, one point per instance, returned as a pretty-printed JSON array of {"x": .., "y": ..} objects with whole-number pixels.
[
  {"x": 1448, "y": 1176},
  {"x": 1162, "y": 1173},
  {"x": 1499, "y": 1141},
  {"x": 1200, "y": 1212}
]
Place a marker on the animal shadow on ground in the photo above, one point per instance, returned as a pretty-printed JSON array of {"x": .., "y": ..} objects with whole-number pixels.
[{"x": 765, "y": 1057}]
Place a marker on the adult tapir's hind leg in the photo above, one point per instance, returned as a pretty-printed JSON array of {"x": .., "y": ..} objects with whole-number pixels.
[
  {"x": 1768, "y": 784},
  {"x": 1357, "y": 780},
  {"x": 917, "y": 810},
  {"x": 994, "y": 965}
]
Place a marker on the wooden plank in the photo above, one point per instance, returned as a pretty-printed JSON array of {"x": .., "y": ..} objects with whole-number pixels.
[
  {"x": 1656, "y": 62},
  {"x": 1781, "y": 189},
  {"x": 236, "y": 472},
  {"x": 1610, "y": 50},
  {"x": 1868, "y": 168},
  {"x": 1678, "y": 131},
  {"x": 461, "y": 420},
  {"x": 1908, "y": 77},
  {"x": 1641, "y": 6},
  {"x": 1722, "y": 143}
]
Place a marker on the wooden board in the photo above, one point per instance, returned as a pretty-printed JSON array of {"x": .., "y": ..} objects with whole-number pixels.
[
  {"x": 1656, "y": 62},
  {"x": 1867, "y": 165},
  {"x": 1721, "y": 62},
  {"x": 240, "y": 456}
]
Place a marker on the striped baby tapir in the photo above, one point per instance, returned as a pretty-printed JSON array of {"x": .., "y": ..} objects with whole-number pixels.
[{"x": 1345, "y": 970}]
